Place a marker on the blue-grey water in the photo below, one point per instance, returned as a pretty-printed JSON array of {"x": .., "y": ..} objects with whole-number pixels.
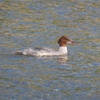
[{"x": 39, "y": 23}]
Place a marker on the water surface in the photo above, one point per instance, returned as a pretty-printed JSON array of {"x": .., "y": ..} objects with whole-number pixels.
[{"x": 39, "y": 23}]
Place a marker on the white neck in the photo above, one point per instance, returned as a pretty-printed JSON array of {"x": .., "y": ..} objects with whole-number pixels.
[{"x": 63, "y": 49}]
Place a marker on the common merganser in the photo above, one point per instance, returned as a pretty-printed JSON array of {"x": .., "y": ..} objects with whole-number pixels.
[{"x": 63, "y": 41}]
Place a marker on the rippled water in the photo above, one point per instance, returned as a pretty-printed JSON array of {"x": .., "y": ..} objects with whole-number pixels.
[{"x": 39, "y": 23}]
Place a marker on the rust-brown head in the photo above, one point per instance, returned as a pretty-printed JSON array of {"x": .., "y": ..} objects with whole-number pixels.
[{"x": 64, "y": 40}]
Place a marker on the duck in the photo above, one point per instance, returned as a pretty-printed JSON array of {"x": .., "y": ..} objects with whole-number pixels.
[{"x": 40, "y": 52}]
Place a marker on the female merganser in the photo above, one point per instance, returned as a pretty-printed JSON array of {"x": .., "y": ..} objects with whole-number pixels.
[{"x": 63, "y": 41}]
